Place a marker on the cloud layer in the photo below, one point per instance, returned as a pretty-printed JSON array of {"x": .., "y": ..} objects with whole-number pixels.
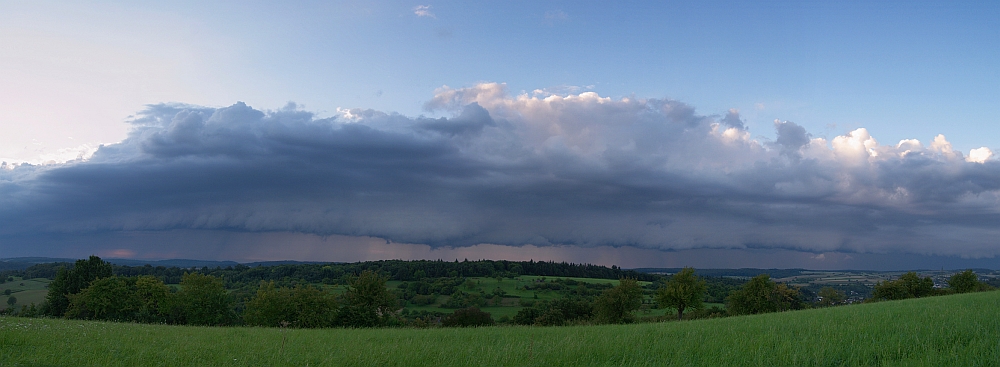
[{"x": 541, "y": 169}]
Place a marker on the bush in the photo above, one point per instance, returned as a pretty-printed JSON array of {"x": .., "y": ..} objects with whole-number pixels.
[
  {"x": 135, "y": 299},
  {"x": 909, "y": 285},
  {"x": 302, "y": 306},
  {"x": 105, "y": 299},
  {"x": 465, "y": 317},
  {"x": 616, "y": 305},
  {"x": 967, "y": 281},
  {"x": 551, "y": 317},
  {"x": 461, "y": 299},
  {"x": 556, "y": 312},
  {"x": 527, "y": 316},
  {"x": 368, "y": 302},
  {"x": 202, "y": 300},
  {"x": 706, "y": 313},
  {"x": 761, "y": 295},
  {"x": 423, "y": 299},
  {"x": 573, "y": 309}
]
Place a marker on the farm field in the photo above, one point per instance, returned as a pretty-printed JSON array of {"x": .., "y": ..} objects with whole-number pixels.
[
  {"x": 950, "y": 330},
  {"x": 27, "y": 291}
]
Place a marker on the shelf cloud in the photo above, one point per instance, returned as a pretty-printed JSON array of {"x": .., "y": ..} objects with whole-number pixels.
[{"x": 506, "y": 169}]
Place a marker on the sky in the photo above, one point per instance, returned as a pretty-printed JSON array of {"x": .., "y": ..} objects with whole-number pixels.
[{"x": 821, "y": 135}]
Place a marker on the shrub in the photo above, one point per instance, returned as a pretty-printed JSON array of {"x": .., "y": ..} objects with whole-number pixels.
[
  {"x": 202, "y": 300},
  {"x": 527, "y": 316},
  {"x": 761, "y": 295},
  {"x": 967, "y": 281},
  {"x": 368, "y": 302},
  {"x": 423, "y": 299},
  {"x": 616, "y": 305},
  {"x": 909, "y": 285},
  {"x": 136, "y": 299},
  {"x": 465, "y": 317},
  {"x": 302, "y": 306}
]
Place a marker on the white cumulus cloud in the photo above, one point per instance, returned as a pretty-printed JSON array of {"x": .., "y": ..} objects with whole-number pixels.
[{"x": 979, "y": 155}]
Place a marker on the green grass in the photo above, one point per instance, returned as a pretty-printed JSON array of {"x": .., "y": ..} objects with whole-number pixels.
[
  {"x": 33, "y": 291},
  {"x": 960, "y": 330}
]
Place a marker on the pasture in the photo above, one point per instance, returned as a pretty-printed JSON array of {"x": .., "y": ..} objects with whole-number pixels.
[
  {"x": 27, "y": 291},
  {"x": 958, "y": 330}
]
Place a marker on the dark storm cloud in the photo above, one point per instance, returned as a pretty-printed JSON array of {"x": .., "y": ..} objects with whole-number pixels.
[{"x": 574, "y": 169}]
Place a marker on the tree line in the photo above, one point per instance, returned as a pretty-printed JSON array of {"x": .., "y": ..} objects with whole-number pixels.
[
  {"x": 96, "y": 290},
  {"x": 89, "y": 290},
  {"x": 339, "y": 273},
  {"x": 911, "y": 285}
]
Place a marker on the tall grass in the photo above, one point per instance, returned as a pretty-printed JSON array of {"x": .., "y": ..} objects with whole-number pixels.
[{"x": 960, "y": 330}]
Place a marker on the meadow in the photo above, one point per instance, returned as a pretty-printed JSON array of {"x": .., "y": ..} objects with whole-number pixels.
[
  {"x": 514, "y": 289},
  {"x": 950, "y": 330},
  {"x": 27, "y": 291}
]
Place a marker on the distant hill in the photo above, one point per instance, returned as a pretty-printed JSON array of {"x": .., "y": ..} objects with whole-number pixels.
[
  {"x": 180, "y": 263},
  {"x": 21, "y": 263},
  {"x": 287, "y": 262},
  {"x": 744, "y": 272}
]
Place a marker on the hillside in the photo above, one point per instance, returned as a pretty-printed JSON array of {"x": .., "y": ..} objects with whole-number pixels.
[
  {"x": 951, "y": 330},
  {"x": 27, "y": 291}
]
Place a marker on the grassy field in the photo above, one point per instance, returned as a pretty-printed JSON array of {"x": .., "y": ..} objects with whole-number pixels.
[
  {"x": 26, "y": 291},
  {"x": 960, "y": 330}
]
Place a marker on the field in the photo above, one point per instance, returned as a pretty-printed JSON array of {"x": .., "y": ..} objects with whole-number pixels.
[
  {"x": 26, "y": 291},
  {"x": 953, "y": 330},
  {"x": 514, "y": 290},
  {"x": 34, "y": 291}
]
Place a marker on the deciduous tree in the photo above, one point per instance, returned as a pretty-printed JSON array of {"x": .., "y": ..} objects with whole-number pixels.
[
  {"x": 136, "y": 299},
  {"x": 202, "y": 300},
  {"x": 72, "y": 281},
  {"x": 367, "y": 302},
  {"x": 829, "y": 296},
  {"x": 152, "y": 299},
  {"x": 105, "y": 299},
  {"x": 683, "y": 290},
  {"x": 302, "y": 306},
  {"x": 616, "y": 305},
  {"x": 761, "y": 295},
  {"x": 917, "y": 286},
  {"x": 964, "y": 282},
  {"x": 909, "y": 285}
]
